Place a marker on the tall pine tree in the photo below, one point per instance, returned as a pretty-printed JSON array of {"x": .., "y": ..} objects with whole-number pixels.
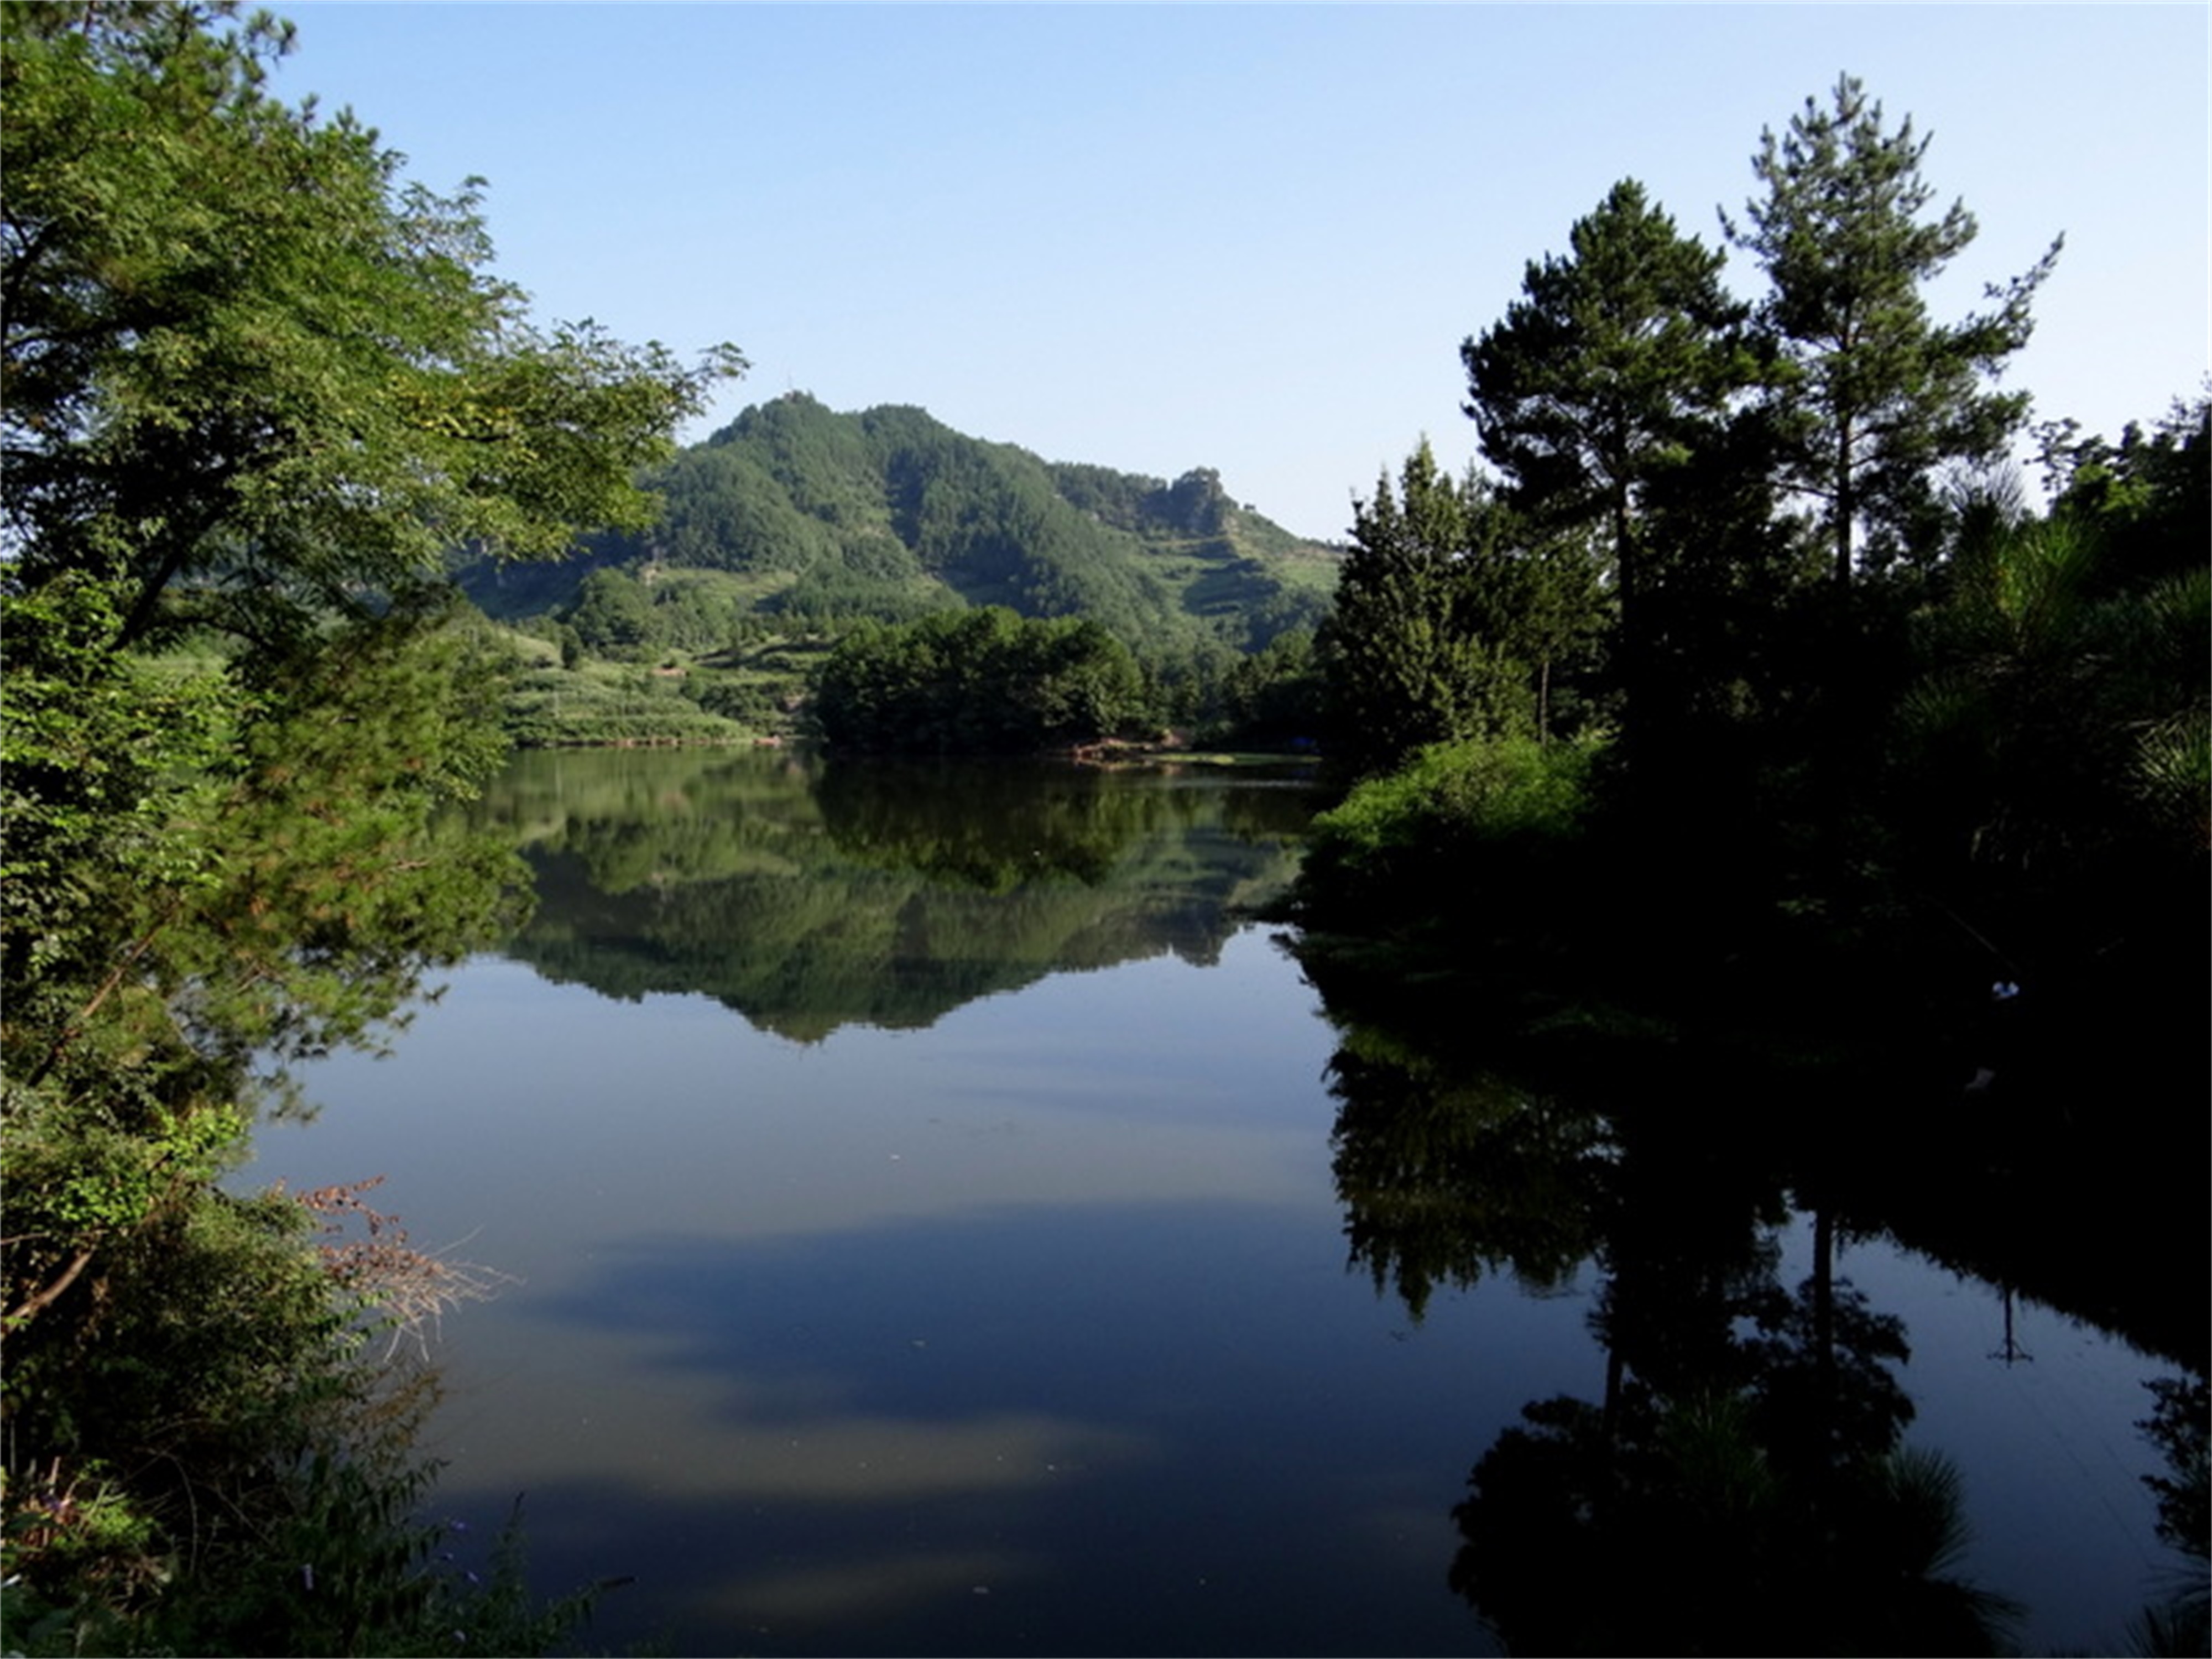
[
  {"x": 1608, "y": 375},
  {"x": 1868, "y": 396}
]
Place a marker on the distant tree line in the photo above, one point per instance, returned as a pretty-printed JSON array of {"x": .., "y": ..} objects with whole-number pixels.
[
  {"x": 795, "y": 525},
  {"x": 984, "y": 682}
]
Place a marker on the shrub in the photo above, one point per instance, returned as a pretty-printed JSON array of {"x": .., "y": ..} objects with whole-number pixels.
[
  {"x": 1460, "y": 793},
  {"x": 1462, "y": 826}
]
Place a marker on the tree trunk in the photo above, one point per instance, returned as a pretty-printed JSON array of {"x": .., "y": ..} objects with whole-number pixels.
[{"x": 1846, "y": 504}]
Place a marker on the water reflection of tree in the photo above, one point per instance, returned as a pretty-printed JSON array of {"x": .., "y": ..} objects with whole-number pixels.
[
  {"x": 991, "y": 828},
  {"x": 1738, "y": 1484},
  {"x": 883, "y": 895},
  {"x": 999, "y": 825},
  {"x": 1446, "y": 1177},
  {"x": 1678, "y": 1529},
  {"x": 2180, "y": 1423}
]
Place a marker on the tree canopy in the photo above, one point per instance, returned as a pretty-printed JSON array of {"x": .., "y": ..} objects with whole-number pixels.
[
  {"x": 1608, "y": 377},
  {"x": 1451, "y": 614},
  {"x": 984, "y": 682},
  {"x": 250, "y": 375},
  {"x": 1866, "y": 711},
  {"x": 255, "y": 392},
  {"x": 1869, "y": 395},
  {"x": 1600, "y": 376}
]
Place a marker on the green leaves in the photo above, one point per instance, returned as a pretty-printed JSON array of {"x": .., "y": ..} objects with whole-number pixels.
[
  {"x": 1600, "y": 374},
  {"x": 979, "y": 681},
  {"x": 1868, "y": 395},
  {"x": 2054, "y": 720},
  {"x": 241, "y": 360},
  {"x": 1450, "y": 618},
  {"x": 252, "y": 394},
  {"x": 1604, "y": 385}
]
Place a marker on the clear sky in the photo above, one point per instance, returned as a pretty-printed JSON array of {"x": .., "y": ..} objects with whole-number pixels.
[{"x": 1248, "y": 237}]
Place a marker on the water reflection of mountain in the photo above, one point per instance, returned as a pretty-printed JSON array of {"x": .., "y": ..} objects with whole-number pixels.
[{"x": 887, "y": 896}]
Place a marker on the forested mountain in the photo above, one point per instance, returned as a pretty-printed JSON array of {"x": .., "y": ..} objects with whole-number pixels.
[{"x": 811, "y": 514}]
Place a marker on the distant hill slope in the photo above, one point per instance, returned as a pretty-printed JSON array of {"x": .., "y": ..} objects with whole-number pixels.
[{"x": 889, "y": 513}]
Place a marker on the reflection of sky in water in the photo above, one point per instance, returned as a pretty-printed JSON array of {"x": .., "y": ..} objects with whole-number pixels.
[
  {"x": 585, "y": 1114},
  {"x": 1028, "y": 1333}
]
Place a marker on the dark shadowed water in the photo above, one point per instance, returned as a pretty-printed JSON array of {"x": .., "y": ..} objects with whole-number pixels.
[{"x": 941, "y": 1222}]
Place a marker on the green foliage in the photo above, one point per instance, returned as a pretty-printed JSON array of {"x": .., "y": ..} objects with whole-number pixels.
[
  {"x": 1470, "y": 846},
  {"x": 2052, "y": 760},
  {"x": 1451, "y": 798},
  {"x": 2148, "y": 497},
  {"x": 241, "y": 1478},
  {"x": 1274, "y": 698},
  {"x": 1983, "y": 733},
  {"x": 1595, "y": 398},
  {"x": 1866, "y": 396},
  {"x": 611, "y": 614},
  {"x": 889, "y": 515},
  {"x": 256, "y": 393},
  {"x": 978, "y": 682},
  {"x": 1603, "y": 375},
  {"x": 274, "y": 888},
  {"x": 247, "y": 373},
  {"x": 1448, "y": 622}
]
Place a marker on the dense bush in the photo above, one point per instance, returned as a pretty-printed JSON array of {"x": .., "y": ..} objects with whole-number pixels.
[
  {"x": 1464, "y": 792},
  {"x": 1462, "y": 829}
]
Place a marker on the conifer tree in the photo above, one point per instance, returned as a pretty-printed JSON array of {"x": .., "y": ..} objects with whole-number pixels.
[
  {"x": 1406, "y": 660},
  {"x": 1868, "y": 396},
  {"x": 1610, "y": 371}
]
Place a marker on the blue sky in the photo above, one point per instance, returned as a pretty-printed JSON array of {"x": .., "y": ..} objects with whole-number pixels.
[{"x": 1248, "y": 237}]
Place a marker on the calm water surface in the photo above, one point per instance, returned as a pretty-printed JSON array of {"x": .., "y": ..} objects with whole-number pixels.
[{"x": 936, "y": 1225}]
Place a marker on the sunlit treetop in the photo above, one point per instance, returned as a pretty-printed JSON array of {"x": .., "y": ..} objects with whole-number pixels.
[{"x": 250, "y": 374}]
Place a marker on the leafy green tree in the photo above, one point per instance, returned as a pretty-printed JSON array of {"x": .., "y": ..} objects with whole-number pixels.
[
  {"x": 1544, "y": 597},
  {"x": 1195, "y": 502},
  {"x": 1274, "y": 696},
  {"x": 209, "y": 875},
  {"x": 1615, "y": 366},
  {"x": 1076, "y": 683},
  {"x": 1403, "y": 657},
  {"x": 256, "y": 393},
  {"x": 249, "y": 376},
  {"x": 612, "y": 614},
  {"x": 1868, "y": 397},
  {"x": 2148, "y": 497},
  {"x": 978, "y": 682}
]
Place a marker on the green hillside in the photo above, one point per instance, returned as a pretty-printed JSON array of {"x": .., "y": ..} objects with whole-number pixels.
[{"x": 796, "y": 517}]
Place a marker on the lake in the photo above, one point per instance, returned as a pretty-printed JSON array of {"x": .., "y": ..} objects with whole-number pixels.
[{"x": 937, "y": 1220}]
